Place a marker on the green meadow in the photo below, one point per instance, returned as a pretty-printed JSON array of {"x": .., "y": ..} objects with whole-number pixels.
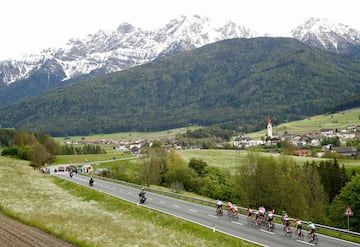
[{"x": 85, "y": 217}]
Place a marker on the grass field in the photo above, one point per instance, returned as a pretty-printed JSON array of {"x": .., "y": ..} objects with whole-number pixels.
[
  {"x": 88, "y": 218},
  {"x": 315, "y": 123},
  {"x": 131, "y": 135},
  {"x": 231, "y": 158}
]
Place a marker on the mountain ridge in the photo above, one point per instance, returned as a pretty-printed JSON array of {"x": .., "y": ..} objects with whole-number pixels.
[
  {"x": 109, "y": 51},
  {"x": 234, "y": 83}
]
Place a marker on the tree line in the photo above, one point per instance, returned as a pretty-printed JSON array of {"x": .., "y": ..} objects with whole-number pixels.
[
  {"x": 39, "y": 149},
  {"x": 314, "y": 191}
]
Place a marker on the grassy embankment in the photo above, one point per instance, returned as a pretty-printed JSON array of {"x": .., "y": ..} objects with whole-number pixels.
[{"x": 88, "y": 218}]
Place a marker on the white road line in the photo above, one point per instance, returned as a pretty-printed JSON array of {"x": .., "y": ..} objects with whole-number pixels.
[
  {"x": 237, "y": 223},
  {"x": 176, "y": 206},
  {"x": 162, "y": 202},
  {"x": 304, "y": 242},
  {"x": 267, "y": 231},
  {"x": 193, "y": 210},
  {"x": 214, "y": 216}
]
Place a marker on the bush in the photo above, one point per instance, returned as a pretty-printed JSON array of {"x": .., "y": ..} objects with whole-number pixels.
[{"x": 12, "y": 151}]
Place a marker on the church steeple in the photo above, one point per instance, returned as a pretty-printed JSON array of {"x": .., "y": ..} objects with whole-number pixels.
[{"x": 269, "y": 127}]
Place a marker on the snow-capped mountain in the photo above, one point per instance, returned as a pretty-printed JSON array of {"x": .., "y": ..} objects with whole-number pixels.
[
  {"x": 325, "y": 34},
  {"x": 128, "y": 46}
]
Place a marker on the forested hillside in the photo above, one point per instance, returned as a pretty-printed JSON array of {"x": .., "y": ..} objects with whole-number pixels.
[{"x": 234, "y": 83}]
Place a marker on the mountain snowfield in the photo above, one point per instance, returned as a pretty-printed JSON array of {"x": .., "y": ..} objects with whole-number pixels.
[
  {"x": 325, "y": 34},
  {"x": 128, "y": 46}
]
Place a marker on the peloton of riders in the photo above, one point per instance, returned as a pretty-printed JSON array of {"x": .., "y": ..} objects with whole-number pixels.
[{"x": 262, "y": 216}]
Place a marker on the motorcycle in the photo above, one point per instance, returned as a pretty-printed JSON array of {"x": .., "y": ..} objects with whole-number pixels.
[
  {"x": 91, "y": 182},
  {"x": 142, "y": 198}
]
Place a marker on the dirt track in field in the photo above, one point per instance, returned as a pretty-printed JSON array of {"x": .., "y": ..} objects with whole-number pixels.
[{"x": 16, "y": 234}]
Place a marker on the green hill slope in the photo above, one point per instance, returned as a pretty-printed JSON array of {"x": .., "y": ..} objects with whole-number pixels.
[
  {"x": 350, "y": 117},
  {"x": 235, "y": 83}
]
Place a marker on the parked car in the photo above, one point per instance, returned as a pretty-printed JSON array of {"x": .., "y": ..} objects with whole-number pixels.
[{"x": 61, "y": 169}]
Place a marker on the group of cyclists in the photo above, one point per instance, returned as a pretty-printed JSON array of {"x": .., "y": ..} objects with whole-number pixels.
[
  {"x": 298, "y": 228},
  {"x": 262, "y": 217},
  {"x": 232, "y": 209}
]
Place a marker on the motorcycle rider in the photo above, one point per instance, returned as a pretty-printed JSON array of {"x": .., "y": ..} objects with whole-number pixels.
[
  {"x": 142, "y": 197},
  {"x": 91, "y": 181}
]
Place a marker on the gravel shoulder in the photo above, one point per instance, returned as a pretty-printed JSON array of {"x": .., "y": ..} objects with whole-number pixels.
[{"x": 14, "y": 234}]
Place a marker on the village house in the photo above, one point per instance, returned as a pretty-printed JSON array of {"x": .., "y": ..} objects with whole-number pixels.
[
  {"x": 302, "y": 152},
  {"x": 327, "y": 132},
  {"x": 346, "y": 151}
]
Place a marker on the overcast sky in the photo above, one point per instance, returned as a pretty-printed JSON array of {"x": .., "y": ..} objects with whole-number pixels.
[{"x": 28, "y": 26}]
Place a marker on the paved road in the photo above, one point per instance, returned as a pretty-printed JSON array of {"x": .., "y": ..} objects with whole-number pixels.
[{"x": 205, "y": 216}]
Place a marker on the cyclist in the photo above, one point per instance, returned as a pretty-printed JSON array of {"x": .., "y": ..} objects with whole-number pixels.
[
  {"x": 250, "y": 214},
  {"x": 234, "y": 210},
  {"x": 219, "y": 205},
  {"x": 249, "y": 211},
  {"x": 311, "y": 231},
  {"x": 270, "y": 216},
  {"x": 229, "y": 207},
  {"x": 257, "y": 218},
  {"x": 262, "y": 211},
  {"x": 283, "y": 216},
  {"x": 298, "y": 225},
  {"x": 287, "y": 224}
]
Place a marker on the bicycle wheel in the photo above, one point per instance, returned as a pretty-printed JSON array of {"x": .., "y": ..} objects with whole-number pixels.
[
  {"x": 315, "y": 239},
  {"x": 309, "y": 238},
  {"x": 236, "y": 217},
  {"x": 272, "y": 227},
  {"x": 301, "y": 235}
]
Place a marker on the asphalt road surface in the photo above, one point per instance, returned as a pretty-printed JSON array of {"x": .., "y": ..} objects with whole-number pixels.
[{"x": 205, "y": 216}]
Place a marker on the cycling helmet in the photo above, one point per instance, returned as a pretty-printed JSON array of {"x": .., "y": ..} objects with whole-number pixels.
[
  {"x": 309, "y": 223},
  {"x": 142, "y": 188}
]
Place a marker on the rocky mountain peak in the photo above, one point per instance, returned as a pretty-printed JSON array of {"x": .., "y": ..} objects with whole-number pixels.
[
  {"x": 325, "y": 34},
  {"x": 128, "y": 46}
]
